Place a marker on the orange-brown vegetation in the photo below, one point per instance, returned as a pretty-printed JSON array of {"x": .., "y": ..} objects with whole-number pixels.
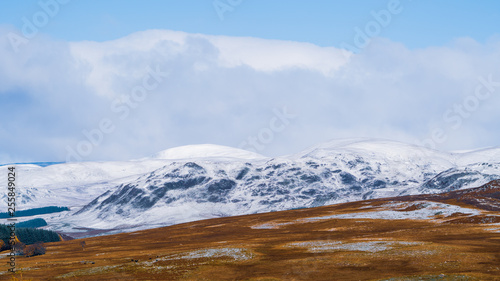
[{"x": 293, "y": 245}]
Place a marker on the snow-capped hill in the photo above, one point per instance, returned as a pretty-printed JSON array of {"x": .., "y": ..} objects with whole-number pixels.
[
  {"x": 486, "y": 155},
  {"x": 389, "y": 150},
  {"x": 73, "y": 184},
  {"x": 207, "y": 151},
  {"x": 398, "y": 151},
  {"x": 460, "y": 177},
  {"x": 205, "y": 181},
  {"x": 341, "y": 171}
]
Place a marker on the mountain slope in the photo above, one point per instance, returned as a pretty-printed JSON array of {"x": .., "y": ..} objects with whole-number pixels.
[
  {"x": 198, "y": 188},
  {"x": 410, "y": 238}
]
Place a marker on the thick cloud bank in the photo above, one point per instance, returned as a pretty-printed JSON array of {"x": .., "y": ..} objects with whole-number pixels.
[{"x": 156, "y": 89}]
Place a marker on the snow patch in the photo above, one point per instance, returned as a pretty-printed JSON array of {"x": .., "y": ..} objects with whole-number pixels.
[
  {"x": 393, "y": 211},
  {"x": 369, "y": 246},
  {"x": 237, "y": 254}
]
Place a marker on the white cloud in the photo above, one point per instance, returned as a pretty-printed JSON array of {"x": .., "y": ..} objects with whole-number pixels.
[
  {"x": 229, "y": 52},
  {"x": 223, "y": 90}
]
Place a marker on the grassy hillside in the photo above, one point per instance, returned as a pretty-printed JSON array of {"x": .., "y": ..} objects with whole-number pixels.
[{"x": 448, "y": 237}]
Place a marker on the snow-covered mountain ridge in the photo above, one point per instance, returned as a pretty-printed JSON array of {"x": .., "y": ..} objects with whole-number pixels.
[
  {"x": 339, "y": 171},
  {"x": 196, "y": 182}
]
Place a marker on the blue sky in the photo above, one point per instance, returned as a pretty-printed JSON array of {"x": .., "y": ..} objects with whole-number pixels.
[
  {"x": 115, "y": 80},
  {"x": 322, "y": 22}
]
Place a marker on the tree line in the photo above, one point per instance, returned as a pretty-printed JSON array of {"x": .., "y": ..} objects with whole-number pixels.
[{"x": 29, "y": 241}]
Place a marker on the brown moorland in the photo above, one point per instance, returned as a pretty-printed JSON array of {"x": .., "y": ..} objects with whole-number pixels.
[{"x": 451, "y": 236}]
